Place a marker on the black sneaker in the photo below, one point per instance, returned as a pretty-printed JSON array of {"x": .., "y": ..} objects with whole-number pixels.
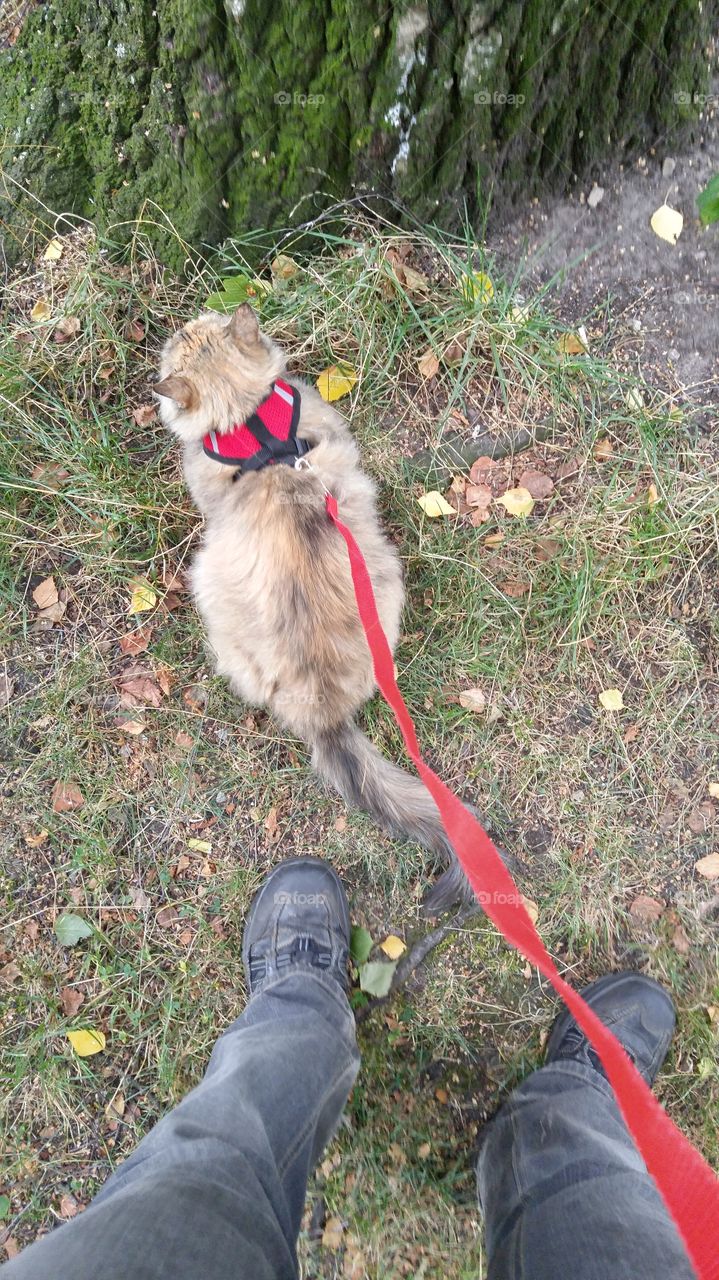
[
  {"x": 299, "y": 918},
  {"x": 638, "y": 1011}
]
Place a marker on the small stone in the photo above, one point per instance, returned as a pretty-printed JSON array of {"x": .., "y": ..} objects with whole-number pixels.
[
  {"x": 668, "y": 167},
  {"x": 595, "y": 195}
]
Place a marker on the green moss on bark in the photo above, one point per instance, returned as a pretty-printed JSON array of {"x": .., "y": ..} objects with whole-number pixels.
[{"x": 226, "y": 116}]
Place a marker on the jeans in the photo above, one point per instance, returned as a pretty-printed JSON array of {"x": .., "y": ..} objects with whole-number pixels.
[{"x": 216, "y": 1190}]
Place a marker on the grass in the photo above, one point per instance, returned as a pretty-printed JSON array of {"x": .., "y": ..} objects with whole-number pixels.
[{"x": 598, "y": 807}]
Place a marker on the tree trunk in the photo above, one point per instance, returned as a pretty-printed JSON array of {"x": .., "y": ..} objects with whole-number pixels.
[{"x": 223, "y": 117}]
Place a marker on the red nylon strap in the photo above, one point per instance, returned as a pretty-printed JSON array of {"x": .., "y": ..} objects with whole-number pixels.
[{"x": 688, "y": 1186}]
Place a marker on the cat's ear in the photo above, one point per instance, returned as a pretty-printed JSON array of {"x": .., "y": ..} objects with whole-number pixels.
[
  {"x": 243, "y": 326},
  {"x": 179, "y": 389}
]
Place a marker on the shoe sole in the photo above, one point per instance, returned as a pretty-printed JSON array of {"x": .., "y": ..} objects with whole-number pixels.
[
  {"x": 599, "y": 985},
  {"x": 276, "y": 871}
]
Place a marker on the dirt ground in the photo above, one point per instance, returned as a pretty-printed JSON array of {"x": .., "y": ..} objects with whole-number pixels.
[{"x": 663, "y": 298}]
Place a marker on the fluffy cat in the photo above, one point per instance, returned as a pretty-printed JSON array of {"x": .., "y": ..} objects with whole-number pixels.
[{"x": 272, "y": 580}]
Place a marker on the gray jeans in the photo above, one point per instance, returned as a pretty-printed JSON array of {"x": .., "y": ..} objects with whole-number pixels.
[{"x": 216, "y": 1191}]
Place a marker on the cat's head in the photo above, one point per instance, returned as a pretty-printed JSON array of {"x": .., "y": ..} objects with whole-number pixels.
[{"x": 214, "y": 372}]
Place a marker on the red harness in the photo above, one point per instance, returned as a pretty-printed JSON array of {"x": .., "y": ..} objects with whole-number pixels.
[{"x": 268, "y": 436}]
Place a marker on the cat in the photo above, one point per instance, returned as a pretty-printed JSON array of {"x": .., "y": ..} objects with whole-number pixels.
[{"x": 272, "y": 580}]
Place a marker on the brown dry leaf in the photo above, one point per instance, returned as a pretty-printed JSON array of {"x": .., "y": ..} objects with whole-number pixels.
[
  {"x": 630, "y": 734},
  {"x": 144, "y": 414},
  {"x": 332, "y": 1234},
  {"x": 68, "y": 1206},
  {"x": 183, "y": 739},
  {"x": 708, "y": 867},
  {"x": 569, "y": 468},
  {"x": 9, "y": 974},
  {"x": 115, "y": 1108},
  {"x": 341, "y": 823},
  {"x": 428, "y": 364},
  {"x": 514, "y": 588},
  {"x": 546, "y": 548},
  {"x": 46, "y": 618},
  {"x": 531, "y": 909},
  {"x": 183, "y": 862},
  {"x": 442, "y": 1096},
  {"x": 701, "y": 817},
  {"x": 66, "y": 329},
  {"x": 603, "y": 450},
  {"x": 105, "y": 372},
  {"x": 139, "y": 898},
  {"x": 473, "y": 700},
  {"x": 32, "y": 930},
  {"x": 714, "y": 790},
  {"x": 195, "y": 697},
  {"x": 167, "y": 916},
  {"x": 652, "y": 495},
  {"x": 218, "y": 928},
  {"x": 454, "y": 351},
  {"x": 423, "y": 1150},
  {"x": 134, "y": 330},
  {"x": 142, "y": 691},
  {"x": 133, "y": 727},
  {"x": 6, "y": 689},
  {"x": 185, "y": 937},
  {"x": 494, "y": 539},
  {"x": 66, "y": 797},
  {"x": 135, "y": 642},
  {"x": 71, "y": 999},
  {"x": 680, "y": 941},
  {"x": 480, "y": 497},
  {"x": 539, "y": 485},
  {"x": 45, "y": 594},
  {"x": 646, "y": 910},
  {"x": 51, "y": 475},
  {"x": 34, "y": 841},
  {"x": 270, "y": 824},
  {"x": 480, "y": 469}
]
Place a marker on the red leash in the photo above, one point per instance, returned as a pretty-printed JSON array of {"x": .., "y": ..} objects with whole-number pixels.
[{"x": 688, "y": 1186}]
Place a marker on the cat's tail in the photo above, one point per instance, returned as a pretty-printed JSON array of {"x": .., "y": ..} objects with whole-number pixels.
[{"x": 344, "y": 757}]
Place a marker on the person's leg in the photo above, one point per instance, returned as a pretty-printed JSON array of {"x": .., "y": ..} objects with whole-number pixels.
[
  {"x": 563, "y": 1189},
  {"x": 217, "y": 1189}
]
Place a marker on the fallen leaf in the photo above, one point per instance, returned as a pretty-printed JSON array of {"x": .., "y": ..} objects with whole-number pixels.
[
  {"x": 611, "y": 699},
  {"x": 714, "y": 790},
  {"x": 11, "y": 1247},
  {"x": 46, "y": 618},
  {"x": 480, "y": 469},
  {"x": 183, "y": 739},
  {"x": 143, "y": 597},
  {"x": 167, "y": 916},
  {"x": 86, "y": 1042},
  {"x": 135, "y": 642},
  {"x": 569, "y": 468},
  {"x": 185, "y": 938},
  {"x": 514, "y": 587},
  {"x": 34, "y": 841},
  {"x": 183, "y": 862},
  {"x": 270, "y": 824},
  {"x": 494, "y": 539},
  {"x": 140, "y": 691},
  {"x": 69, "y": 929},
  {"x": 480, "y": 497},
  {"x": 133, "y": 727},
  {"x": 51, "y": 475},
  {"x": 134, "y": 330},
  {"x": 442, "y": 1096},
  {"x": 477, "y": 287},
  {"x": 667, "y": 223},
  {"x": 360, "y": 944},
  {"x": 115, "y": 1108},
  {"x": 218, "y": 928},
  {"x": 454, "y": 351},
  {"x": 6, "y": 689},
  {"x": 42, "y": 310},
  {"x": 428, "y": 364},
  {"x": 680, "y": 941},
  {"x": 336, "y": 381},
  {"x": 517, "y": 502},
  {"x": 66, "y": 329},
  {"x": 376, "y": 977},
  {"x": 603, "y": 450},
  {"x": 434, "y": 505},
  {"x": 630, "y": 734},
  {"x": 53, "y": 253},
  {"x": 340, "y": 824},
  {"x": 32, "y": 930},
  {"x": 139, "y": 898},
  {"x": 71, "y": 999},
  {"x": 423, "y": 1150},
  {"x": 66, "y": 797},
  {"x": 531, "y": 908},
  {"x": 332, "y": 1234},
  {"x": 45, "y": 594},
  {"x": 393, "y": 946},
  {"x": 144, "y": 414},
  {"x": 713, "y": 1012},
  {"x": 708, "y": 867},
  {"x": 701, "y": 817},
  {"x": 204, "y": 846},
  {"x": 10, "y": 973},
  {"x": 537, "y": 483},
  {"x": 195, "y": 697},
  {"x": 570, "y": 344},
  {"x": 546, "y": 548},
  {"x": 645, "y": 909},
  {"x": 473, "y": 700},
  {"x": 284, "y": 267},
  {"x": 634, "y": 399}
]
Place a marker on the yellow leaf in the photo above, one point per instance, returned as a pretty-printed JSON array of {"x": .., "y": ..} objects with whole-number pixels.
[
  {"x": 520, "y": 314},
  {"x": 531, "y": 909},
  {"x": 86, "y": 1042},
  {"x": 393, "y": 946},
  {"x": 477, "y": 287},
  {"x": 143, "y": 598},
  {"x": 200, "y": 846},
  {"x": 428, "y": 364},
  {"x": 283, "y": 267},
  {"x": 667, "y": 223},
  {"x": 708, "y": 867},
  {"x": 434, "y": 505},
  {"x": 652, "y": 495},
  {"x": 571, "y": 344},
  {"x": 714, "y": 790},
  {"x": 54, "y": 251},
  {"x": 473, "y": 700},
  {"x": 518, "y": 502},
  {"x": 635, "y": 399},
  {"x": 42, "y": 310},
  {"x": 336, "y": 381},
  {"x": 611, "y": 699},
  {"x": 494, "y": 539}
]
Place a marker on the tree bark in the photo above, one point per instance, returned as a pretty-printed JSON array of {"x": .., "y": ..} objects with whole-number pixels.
[{"x": 219, "y": 116}]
